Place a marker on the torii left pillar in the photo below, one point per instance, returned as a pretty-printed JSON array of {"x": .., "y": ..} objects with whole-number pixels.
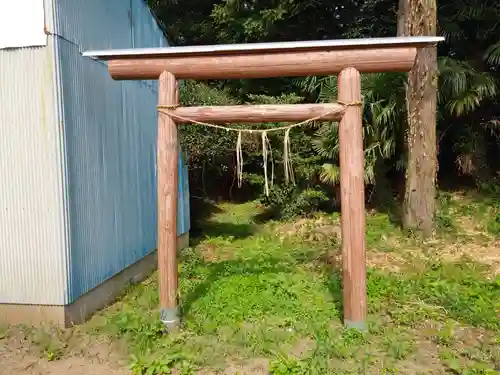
[{"x": 167, "y": 175}]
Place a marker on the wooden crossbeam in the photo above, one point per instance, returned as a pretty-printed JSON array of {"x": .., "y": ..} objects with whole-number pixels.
[
  {"x": 264, "y": 64},
  {"x": 258, "y": 113}
]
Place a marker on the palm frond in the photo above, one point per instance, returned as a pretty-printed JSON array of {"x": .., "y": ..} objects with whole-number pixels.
[
  {"x": 330, "y": 174},
  {"x": 328, "y": 90},
  {"x": 462, "y": 88},
  {"x": 326, "y": 87},
  {"x": 492, "y": 55},
  {"x": 326, "y": 141}
]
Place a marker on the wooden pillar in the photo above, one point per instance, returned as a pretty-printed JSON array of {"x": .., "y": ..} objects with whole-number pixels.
[
  {"x": 352, "y": 200},
  {"x": 167, "y": 174}
]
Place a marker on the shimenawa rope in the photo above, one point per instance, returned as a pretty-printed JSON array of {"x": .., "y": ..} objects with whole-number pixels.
[{"x": 266, "y": 145}]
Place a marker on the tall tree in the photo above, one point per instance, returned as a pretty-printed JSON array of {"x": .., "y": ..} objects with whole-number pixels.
[{"x": 418, "y": 18}]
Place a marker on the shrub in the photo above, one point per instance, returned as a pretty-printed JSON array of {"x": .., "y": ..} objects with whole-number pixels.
[{"x": 287, "y": 202}]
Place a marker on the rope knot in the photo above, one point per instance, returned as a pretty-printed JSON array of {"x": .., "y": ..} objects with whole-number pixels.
[
  {"x": 351, "y": 104},
  {"x": 168, "y": 106}
]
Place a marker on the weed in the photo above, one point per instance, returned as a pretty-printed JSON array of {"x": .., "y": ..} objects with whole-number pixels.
[
  {"x": 476, "y": 369},
  {"x": 3, "y": 331},
  {"x": 288, "y": 366},
  {"x": 493, "y": 224},
  {"x": 162, "y": 365},
  {"x": 398, "y": 346},
  {"x": 50, "y": 341},
  {"x": 446, "y": 334},
  {"x": 444, "y": 221},
  {"x": 145, "y": 329},
  {"x": 389, "y": 371},
  {"x": 352, "y": 337}
]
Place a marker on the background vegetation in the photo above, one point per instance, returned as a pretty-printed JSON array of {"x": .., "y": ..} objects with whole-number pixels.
[{"x": 468, "y": 126}]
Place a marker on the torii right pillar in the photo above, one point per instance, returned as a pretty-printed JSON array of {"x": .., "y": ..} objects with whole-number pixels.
[{"x": 352, "y": 200}]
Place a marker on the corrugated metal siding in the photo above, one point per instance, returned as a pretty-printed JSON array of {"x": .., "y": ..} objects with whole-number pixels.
[
  {"x": 92, "y": 24},
  {"x": 110, "y": 138},
  {"x": 145, "y": 31},
  {"x": 32, "y": 242}
]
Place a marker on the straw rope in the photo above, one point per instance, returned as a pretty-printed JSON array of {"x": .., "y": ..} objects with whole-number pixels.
[
  {"x": 164, "y": 109},
  {"x": 266, "y": 145}
]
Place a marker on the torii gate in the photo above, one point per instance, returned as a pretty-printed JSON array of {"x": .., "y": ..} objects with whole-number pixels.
[{"x": 347, "y": 58}]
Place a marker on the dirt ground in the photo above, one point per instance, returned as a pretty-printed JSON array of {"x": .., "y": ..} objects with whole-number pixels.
[{"x": 18, "y": 356}]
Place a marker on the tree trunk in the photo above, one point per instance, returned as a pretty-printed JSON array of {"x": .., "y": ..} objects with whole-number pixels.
[{"x": 420, "y": 188}]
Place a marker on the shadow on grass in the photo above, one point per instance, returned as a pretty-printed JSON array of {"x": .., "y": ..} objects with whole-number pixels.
[
  {"x": 222, "y": 230},
  {"x": 334, "y": 285},
  {"x": 266, "y": 215},
  {"x": 389, "y": 203},
  {"x": 202, "y": 210}
]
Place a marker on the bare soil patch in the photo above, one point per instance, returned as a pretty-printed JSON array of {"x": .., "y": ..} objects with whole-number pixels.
[{"x": 19, "y": 355}]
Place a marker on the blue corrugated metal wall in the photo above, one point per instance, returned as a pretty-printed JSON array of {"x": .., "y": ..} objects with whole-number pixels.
[{"x": 110, "y": 139}]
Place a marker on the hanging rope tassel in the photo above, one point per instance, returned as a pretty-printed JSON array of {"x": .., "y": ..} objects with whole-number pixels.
[
  {"x": 264, "y": 160},
  {"x": 239, "y": 161},
  {"x": 267, "y": 153},
  {"x": 270, "y": 152},
  {"x": 266, "y": 145},
  {"x": 287, "y": 160}
]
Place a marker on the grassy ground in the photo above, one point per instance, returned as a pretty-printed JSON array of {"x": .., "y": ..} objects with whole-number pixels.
[{"x": 265, "y": 298}]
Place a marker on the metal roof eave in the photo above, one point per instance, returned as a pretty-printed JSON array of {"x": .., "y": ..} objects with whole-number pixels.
[{"x": 228, "y": 49}]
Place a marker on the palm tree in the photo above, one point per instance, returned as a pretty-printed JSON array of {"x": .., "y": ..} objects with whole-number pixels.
[
  {"x": 469, "y": 82},
  {"x": 383, "y": 130}
]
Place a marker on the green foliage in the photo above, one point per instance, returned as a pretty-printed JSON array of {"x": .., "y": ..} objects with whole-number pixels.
[
  {"x": 205, "y": 146},
  {"x": 306, "y": 203},
  {"x": 288, "y": 202},
  {"x": 444, "y": 214},
  {"x": 455, "y": 287},
  {"x": 383, "y": 123},
  {"x": 454, "y": 366},
  {"x": 163, "y": 365},
  {"x": 444, "y": 221},
  {"x": 493, "y": 212},
  {"x": 468, "y": 128},
  {"x": 462, "y": 88},
  {"x": 51, "y": 342},
  {"x": 399, "y": 347},
  {"x": 493, "y": 224},
  {"x": 288, "y": 366},
  {"x": 144, "y": 328},
  {"x": 279, "y": 196},
  {"x": 492, "y": 54}
]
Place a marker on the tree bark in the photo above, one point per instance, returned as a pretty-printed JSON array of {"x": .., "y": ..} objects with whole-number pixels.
[{"x": 420, "y": 188}]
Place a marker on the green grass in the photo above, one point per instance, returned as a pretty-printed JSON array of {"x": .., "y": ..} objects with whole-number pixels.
[{"x": 254, "y": 293}]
